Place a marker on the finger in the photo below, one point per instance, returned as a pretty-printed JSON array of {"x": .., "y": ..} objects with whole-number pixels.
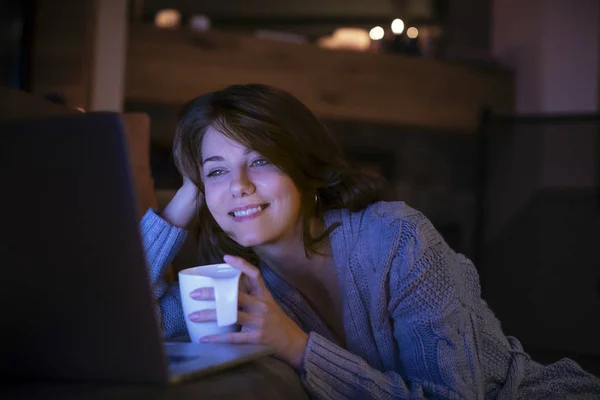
[
  {"x": 232, "y": 337},
  {"x": 239, "y": 263},
  {"x": 248, "y": 320},
  {"x": 252, "y": 304},
  {"x": 203, "y": 316},
  {"x": 245, "y": 285},
  {"x": 254, "y": 280},
  {"x": 206, "y": 293}
]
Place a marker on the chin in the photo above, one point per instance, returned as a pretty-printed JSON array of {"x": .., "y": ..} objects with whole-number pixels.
[{"x": 249, "y": 241}]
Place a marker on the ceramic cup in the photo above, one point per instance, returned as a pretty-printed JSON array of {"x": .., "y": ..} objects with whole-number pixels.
[{"x": 225, "y": 281}]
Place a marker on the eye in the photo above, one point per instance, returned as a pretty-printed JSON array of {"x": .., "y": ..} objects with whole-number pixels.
[
  {"x": 259, "y": 163},
  {"x": 216, "y": 172}
]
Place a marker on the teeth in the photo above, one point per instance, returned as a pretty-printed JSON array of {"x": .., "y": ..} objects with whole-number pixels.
[{"x": 247, "y": 212}]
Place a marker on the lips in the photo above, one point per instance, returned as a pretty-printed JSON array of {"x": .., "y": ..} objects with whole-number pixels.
[{"x": 248, "y": 211}]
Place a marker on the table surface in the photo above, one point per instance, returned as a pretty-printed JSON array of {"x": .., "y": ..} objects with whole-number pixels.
[{"x": 264, "y": 378}]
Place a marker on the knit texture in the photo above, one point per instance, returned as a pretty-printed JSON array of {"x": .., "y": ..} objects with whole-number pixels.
[{"x": 415, "y": 324}]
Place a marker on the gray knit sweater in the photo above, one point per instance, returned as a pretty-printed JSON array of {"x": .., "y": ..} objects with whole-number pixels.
[{"x": 415, "y": 324}]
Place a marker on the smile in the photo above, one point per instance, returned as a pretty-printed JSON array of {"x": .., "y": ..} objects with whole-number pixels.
[{"x": 248, "y": 211}]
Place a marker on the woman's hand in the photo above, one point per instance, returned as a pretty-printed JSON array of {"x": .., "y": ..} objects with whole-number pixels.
[
  {"x": 181, "y": 209},
  {"x": 262, "y": 320}
]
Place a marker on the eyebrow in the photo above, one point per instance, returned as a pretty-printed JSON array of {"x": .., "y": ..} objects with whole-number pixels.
[{"x": 219, "y": 158}]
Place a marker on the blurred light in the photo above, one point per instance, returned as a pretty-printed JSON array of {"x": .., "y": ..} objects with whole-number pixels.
[
  {"x": 412, "y": 32},
  {"x": 167, "y": 18},
  {"x": 376, "y": 33},
  {"x": 200, "y": 23},
  {"x": 280, "y": 36},
  {"x": 397, "y": 26},
  {"x": 347, "y": 38}
]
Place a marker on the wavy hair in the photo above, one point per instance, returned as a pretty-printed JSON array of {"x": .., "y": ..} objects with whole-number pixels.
[{"x": 277, "y": 125}]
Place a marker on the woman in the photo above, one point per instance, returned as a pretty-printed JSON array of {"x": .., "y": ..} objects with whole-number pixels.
[{"x": 363, "y": 298}]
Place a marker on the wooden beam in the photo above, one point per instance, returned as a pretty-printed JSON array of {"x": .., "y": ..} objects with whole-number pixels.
[
  {"x": 62, "y": 50},
  {"x": 173, "y": 66},
  {"x": 108, "y": 60}
]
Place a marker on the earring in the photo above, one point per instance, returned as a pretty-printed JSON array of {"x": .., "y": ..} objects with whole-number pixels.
[{"x": 316, "y": 198}]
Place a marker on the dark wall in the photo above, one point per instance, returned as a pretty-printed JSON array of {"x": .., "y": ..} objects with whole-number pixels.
[
  {"x": 541, "y": 265},
  {"x": 15, "y": 33},
  {"x": 434, "y": 171}
]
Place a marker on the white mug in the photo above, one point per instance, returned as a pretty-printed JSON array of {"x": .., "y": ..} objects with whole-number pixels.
[{"x": 225, "y": 281}]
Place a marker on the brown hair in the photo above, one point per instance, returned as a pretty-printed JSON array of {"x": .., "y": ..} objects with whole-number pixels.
[{"x": 277, "y": 125}]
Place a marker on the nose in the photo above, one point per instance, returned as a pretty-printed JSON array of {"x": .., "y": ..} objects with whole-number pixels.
[{"x": 241, "y": 185}]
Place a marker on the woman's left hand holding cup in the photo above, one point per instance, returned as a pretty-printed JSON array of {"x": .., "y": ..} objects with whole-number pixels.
[{"x": 262, "y": 320}]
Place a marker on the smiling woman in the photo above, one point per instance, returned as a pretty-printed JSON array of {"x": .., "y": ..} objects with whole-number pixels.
[
  {"x": 263, "y": 145},
  {"x": 362, "y": 297},
  {"x": 250, "y": 198}
]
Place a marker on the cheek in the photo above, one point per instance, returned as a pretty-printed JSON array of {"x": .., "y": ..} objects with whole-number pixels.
[
  {"x": 213, "y": 201},
  {"x": 218, "y": 215},
  {"x": 291, "y": 190},
  {"x": 292, "y": 197}
]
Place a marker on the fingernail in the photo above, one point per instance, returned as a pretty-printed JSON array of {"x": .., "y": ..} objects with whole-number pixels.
[
  {"x": 193, "y": 317},
  {"x": 204, "y": 339}
]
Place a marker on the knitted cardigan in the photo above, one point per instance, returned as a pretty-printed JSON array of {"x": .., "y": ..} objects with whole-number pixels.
[{"x": 414, "y": 321}]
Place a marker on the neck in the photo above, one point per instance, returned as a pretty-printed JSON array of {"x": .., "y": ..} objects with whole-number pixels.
[{"x": 288, "y": 258}]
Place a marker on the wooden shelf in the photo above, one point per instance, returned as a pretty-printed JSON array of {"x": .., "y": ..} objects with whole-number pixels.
[{"x": 174, "y": 66}]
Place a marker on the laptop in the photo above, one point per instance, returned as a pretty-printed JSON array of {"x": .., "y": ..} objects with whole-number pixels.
[{"x": 74, "y": 288}]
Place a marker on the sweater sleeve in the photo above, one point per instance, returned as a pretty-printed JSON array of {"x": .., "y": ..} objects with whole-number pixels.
[
  {"x": 161, "y": 243},
  {"x": 435, "y": 344},
  {"x": 330, "y": 372}
]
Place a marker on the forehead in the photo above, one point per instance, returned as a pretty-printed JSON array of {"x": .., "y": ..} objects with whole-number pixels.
[{"x": 214, "y": 142}]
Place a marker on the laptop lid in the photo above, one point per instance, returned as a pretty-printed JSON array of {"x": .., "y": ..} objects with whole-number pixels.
[{"x": 76, "y": 298}]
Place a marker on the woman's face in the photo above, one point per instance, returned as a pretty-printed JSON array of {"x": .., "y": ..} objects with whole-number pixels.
[{"x": 252, "y": 200}]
